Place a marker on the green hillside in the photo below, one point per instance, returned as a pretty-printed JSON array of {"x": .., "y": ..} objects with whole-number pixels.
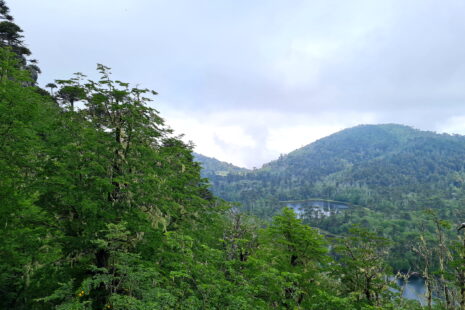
[
  {"x": 390, "y": 175},
  {"x": 212, "y": 166},
  {"x": 392, "y": 160}
]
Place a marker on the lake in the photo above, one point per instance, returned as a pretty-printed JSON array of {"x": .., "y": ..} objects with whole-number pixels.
[
  {"x": 316, "y": 208},
  {"x": 414, "y": 289}
]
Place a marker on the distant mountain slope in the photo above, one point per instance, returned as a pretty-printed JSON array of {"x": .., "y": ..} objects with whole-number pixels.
[
  {"x": 344, "y": 149},
  {"x": 394, "y": 178},
  {"x": 352, "y": 165},
  {"x": 212, "y": 166}
]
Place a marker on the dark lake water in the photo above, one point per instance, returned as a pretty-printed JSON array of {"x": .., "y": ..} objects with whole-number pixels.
[
  {"x": 316, "y": 208},
  {"x": 414, "y": 289}
]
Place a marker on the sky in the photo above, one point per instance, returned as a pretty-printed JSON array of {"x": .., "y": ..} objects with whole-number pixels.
[{"x": 246, "y": 81}]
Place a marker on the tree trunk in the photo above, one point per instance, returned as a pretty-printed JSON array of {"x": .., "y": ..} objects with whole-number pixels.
[
  {"x": 102, "y": 293},
  {"x": 367, "y": 289},
  {"x": 462, "y": 277}
]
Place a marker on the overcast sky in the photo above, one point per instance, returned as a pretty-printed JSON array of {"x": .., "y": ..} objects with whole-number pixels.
[{"x": 249, "y": 80}]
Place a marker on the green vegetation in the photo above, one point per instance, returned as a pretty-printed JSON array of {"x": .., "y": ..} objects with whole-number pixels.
[
  {"x": 102, "y": 207},
  {"x": 360, "y": 165},
  {"x": 389, "y": 174},
  {"x": 400, "y": 183},
  {"x": 212, "y": 166}
]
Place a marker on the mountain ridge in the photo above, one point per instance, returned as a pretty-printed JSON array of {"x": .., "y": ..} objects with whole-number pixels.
[
  {"x": 388, "y": 127},
  {"x": 388, "y": 159}
]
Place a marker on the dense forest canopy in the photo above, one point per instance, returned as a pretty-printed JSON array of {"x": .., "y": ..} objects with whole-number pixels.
[
  {"x": 103, "y": 207},
  {"x": 397, "y": 181},
  {"x": 365, "y": 165}
]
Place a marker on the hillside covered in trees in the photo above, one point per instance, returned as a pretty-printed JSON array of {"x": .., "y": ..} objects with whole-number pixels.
[
  {"x": 353, "y": 165},
  {"x": 103, "y": 207},
  {"x": 390, "y": 174},
  {"x": 212, "y": 166}
]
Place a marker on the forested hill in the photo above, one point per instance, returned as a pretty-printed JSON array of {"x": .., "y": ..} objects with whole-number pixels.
[
  {"x": 353, "y": 165},
  {"x": 212, "y": 166},
  {"x": 393, "y": 177}
]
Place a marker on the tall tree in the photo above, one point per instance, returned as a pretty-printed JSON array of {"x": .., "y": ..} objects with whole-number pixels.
[
  {"x": 288, "y": 263},
  {"x": 362, "y": 266},
  {"x": 11, "y": 37},
  {"x": 25, "y": 228},
  {"x": 123, "y": 165}
]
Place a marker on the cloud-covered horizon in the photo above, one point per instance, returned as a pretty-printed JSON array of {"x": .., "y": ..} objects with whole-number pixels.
[{"x": 247, "y": 81}]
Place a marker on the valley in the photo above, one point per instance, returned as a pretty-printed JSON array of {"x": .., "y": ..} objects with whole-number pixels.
[{"x": 394, "y": 175}]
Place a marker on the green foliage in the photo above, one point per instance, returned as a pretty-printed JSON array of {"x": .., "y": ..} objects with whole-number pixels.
[
  {"x": 387, "y": 174},
  {"x": 287, "y": 266},
  {"x": 361, "y": 265},
  {"x": 212, "y": 166},
  {"x": 102, "y": 207},
  {"x": 26, "y": 244},
  {"x": 11, "y": 37},
  {"x": 362, "y": 165}
]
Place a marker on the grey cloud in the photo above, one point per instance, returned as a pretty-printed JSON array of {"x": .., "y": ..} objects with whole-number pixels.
[{"x": 401, "y": 61}]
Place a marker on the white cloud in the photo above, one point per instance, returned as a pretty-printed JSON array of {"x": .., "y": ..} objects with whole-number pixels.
[
  {"x": 230, "y": 143},
  {"x": 453, "y": 125},
  {"x": 286, "y": 139},
  {"x": 251, "y": 137}
]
